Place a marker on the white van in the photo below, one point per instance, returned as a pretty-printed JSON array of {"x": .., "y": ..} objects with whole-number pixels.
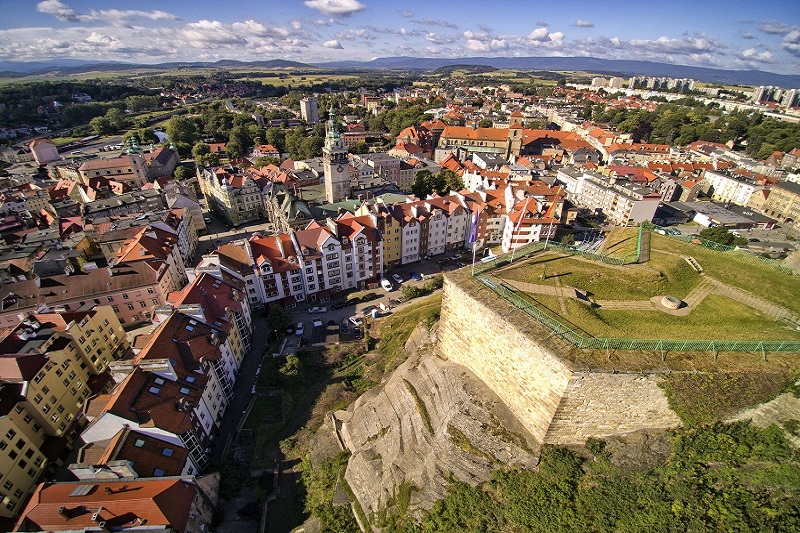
[{"x": 386, "y": 284}]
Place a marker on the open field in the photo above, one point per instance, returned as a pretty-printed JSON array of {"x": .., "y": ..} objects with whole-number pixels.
[
  {"x": 624, "y": 293},
  {"x": 298, "y": 80},
  {"x": 672, "y": 276},
  {"x": 763, "y": 280}
]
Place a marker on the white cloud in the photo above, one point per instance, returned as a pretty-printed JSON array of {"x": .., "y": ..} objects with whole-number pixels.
[
  {"x": 335, "y": 7},
  {"x": 296, "y": 24},
  {"x": 751, "y": 54},
  {"x": 791, "y": 42},
  {"x": 438, "y": 22},
  {"x": 407, "y": 14},
  {"x": 333, "y": 43},
  {"x": 539, "y": 34},
  {"x": 355, "y": 35},
  {"x": 775, "y": 28},
  {"x": 584, "y": 24},
  {"x": 114, "y": 17},
  {"x": 58, "y": 9}
]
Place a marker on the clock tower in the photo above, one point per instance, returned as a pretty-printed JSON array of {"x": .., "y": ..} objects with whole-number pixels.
[{"x": 337, "y": 166}]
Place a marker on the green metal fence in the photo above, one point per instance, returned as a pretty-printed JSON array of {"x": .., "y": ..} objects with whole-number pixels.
[
  {"x": 731, "y": 250},
  {"x": 663, "y": 345}
]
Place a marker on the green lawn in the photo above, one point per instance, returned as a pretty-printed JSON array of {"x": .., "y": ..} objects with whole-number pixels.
[
  {"x": 717, "y": 317},
  {"x": 621, "y": 243},
  {"x": 764, "y": 281},
  {"x": 665, "y": 275}
]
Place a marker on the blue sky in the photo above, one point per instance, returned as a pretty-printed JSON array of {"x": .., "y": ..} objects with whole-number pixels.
[{"x": 733, "y": 34}]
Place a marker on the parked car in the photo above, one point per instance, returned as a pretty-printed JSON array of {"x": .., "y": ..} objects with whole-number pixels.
[
  {"x": 397, "y": 278},
  {"x": 386, "y": 284},
  {"x": 368, "y": 309},
  {"x": 488, "y": 258},
  {"x": 343, "y": 327},
  {"x": 753, "y": 240},
  {"x": 460, "y": 264},
  {"x": 455, "y": 257},
  {"x": 331, "y": 323},
  {"x": 357, "y": 333},
  {"x": 317, "y": 309},
  {"x": 356, "y": 321},
  {"x": 370, "y": 296},
  {"x": 341, "y": 305},
  {"x": 317, "y": 323},
  {"x": 673, "y": 231},
  {"x": 300, "y": 329},
  {"x": 289, "y": 329}
]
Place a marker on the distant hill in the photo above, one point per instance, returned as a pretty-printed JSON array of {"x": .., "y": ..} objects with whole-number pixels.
[
  {"x": 17, "y": 69},
  {"x": 585, "y": 64},
  {"x": 609, "y": 67}
]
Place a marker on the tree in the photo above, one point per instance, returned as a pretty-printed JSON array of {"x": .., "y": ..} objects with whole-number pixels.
[
  {"x": 485, "y": 123},
  {"x": 183, "y": 172},
  {"x": 452, "y": 181},
  {"x": 718, "y": 234},
  {"x": 278, "y": 318},
  {"x": 181, "y": 129},
  {"x": 200, "y": 149}
]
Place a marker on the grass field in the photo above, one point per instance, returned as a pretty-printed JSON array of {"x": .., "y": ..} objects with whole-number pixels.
[
  {"x": 666, "y": 273},
  {"x": 762, "y": 280},
  {"x": 621, "y": 242}
]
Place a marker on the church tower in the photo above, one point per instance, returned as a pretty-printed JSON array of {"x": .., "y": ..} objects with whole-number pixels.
[{"x": 334, "y": 158}]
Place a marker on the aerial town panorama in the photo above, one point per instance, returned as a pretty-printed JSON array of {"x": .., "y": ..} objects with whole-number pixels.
[{"x": 341, "y": 266}]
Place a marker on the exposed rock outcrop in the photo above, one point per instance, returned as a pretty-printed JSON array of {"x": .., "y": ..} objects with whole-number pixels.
[{"x": 432, "y": 419}]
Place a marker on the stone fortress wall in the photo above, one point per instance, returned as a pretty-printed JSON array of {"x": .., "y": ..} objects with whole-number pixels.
[{"x": 555, "y": 402}]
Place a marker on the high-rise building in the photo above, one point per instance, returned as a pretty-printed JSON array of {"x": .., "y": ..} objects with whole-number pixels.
[
  {"x": 308, "y": 110},
  {"x": 334, "y": 157}
]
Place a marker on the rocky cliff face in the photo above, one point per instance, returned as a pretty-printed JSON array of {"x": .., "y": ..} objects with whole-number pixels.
[{"x": 430, "y": 420}]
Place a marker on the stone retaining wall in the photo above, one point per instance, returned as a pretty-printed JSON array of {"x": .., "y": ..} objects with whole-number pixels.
[{"x": 551, "y": 400}]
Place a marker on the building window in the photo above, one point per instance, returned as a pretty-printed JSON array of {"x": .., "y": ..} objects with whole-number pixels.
[
  {"x": 167, "y": 452},
  {"x": 139, "y": 443},
  {"x": 154, "y": 390},
  {"x": 158, "y": 472}
]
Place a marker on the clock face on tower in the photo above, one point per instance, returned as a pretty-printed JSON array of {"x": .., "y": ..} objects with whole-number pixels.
[{"x": 339, "y": 168}]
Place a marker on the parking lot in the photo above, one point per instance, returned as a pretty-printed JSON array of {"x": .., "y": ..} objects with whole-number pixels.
[{"x": 426, "y": 269}]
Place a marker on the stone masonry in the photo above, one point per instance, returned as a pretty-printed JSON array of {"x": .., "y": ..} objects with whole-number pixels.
[{"x": 555, "y": 402}]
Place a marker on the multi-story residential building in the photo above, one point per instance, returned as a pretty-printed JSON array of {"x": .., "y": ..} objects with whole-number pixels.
[
  {"x": 308, "y": 110},
  {"x": 47, "y": 367},
  {"x": 129, "y": 169},
  {"x": 129, "y": 203},
  {"x": 731, "y": 188},
  {"x": 21, "y": 439},
  {"x": 218, "y": 301},
  {"x": 529, "y": 220},
  {"x": 621, "y": 201},
  {"x": 25, "y": 198},
  {"x": 783, "y": 202},
  {"x": 131, "y": 289},
  {"x": 122, "y": 501},
  {"x": 233, "y": 195},
  {"x": 173, "y": 391},
  {"x": 158, "y": 246},
  {"x": 389, "y": 228}
]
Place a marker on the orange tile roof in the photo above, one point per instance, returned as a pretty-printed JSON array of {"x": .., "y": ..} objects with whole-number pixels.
[{"x": 120, "y": 504}]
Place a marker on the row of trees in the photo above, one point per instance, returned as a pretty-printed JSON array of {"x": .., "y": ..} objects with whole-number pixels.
[{"x": 687, "y": 120}]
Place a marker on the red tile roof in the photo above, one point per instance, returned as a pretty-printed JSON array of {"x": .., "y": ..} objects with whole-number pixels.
[{"x": 120, "y": 504}]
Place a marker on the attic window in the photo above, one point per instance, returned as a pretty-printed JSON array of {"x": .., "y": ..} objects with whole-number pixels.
[
  {"x": 139, "y": 443},
  {"x": 189, "y": 327},
  {"x": 154, "y": 390},
  {"x": 166, "y": 452},
  {"x": 159, "y": 381},
  {"x": 158, "y": 472},
  {"x": 184, "y": 390},
  {"x": 190, "y": 379}
]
